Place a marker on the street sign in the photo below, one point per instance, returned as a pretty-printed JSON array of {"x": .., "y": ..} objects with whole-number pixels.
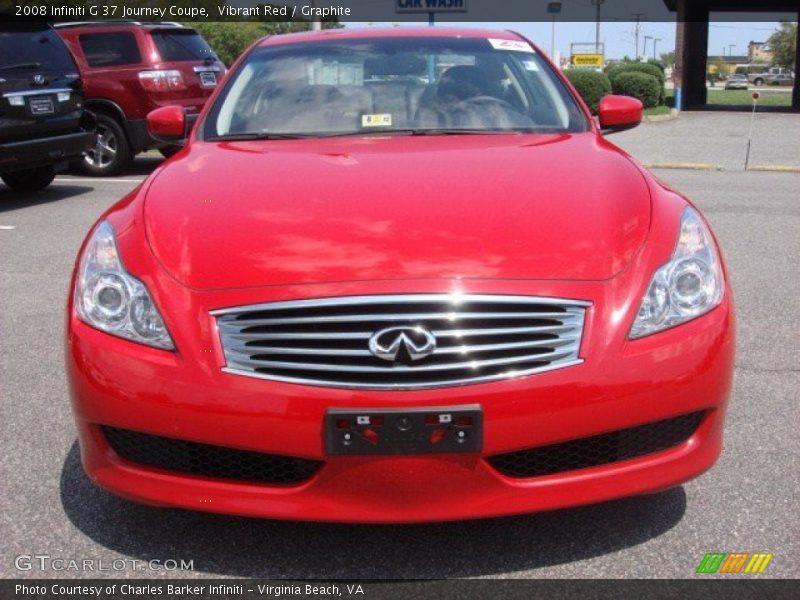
[
  {"x": 587, "y": 60},
  {"x": 430, "y": 6},
  {"x": 755, "y": 96}
]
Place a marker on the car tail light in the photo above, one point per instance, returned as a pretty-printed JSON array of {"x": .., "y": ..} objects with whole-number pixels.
[{"x": 162, "y": 80}]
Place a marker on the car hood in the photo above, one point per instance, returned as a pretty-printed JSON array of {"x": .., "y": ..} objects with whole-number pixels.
[{"x": 245, "y": 214}]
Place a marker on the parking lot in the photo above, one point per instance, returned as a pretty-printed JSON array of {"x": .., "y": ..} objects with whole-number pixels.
[{"x": 748, "y": 502}]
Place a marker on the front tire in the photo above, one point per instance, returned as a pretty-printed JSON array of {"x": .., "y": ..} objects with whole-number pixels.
[
  {"x": 759, "y": 81},
  {"x": 111, "y": 152},
  {"x": 30, "y": 180}
]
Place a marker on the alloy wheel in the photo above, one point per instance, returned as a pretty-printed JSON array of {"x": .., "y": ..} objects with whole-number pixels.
[{"x": 104, "y": 150}]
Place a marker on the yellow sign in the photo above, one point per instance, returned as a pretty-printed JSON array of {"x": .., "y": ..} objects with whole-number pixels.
[{"x": 587, "y": 60}]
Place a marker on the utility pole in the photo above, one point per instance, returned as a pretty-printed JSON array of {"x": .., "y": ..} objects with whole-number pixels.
[
  {"x": 638, "y": 18},
  {"x": 730, "y": 49},
  {"x": 553, "y": 8},
  {"x": 316, "y": 22},
  {"x": 655, "y": 43},
  {"x": 644, "y": 48},
  {"x": 598, "y": 4}
]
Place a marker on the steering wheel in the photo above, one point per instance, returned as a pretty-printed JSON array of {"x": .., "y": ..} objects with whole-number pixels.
[
  {"x": 486, "y": 100},
  {"x": 477, "y": 102}
]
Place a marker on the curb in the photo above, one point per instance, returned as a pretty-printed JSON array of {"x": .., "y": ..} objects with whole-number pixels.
[
  {"x": 673, "y": 114},
  {"x": 685, "y": 166},
  {"x": 775, "y": 168}
]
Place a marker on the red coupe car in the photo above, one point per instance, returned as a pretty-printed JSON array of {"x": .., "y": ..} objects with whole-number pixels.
[{"x": 398, "y": 276}]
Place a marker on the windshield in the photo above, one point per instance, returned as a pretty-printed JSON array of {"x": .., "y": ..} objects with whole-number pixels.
[{"x": 393, "y": 84}]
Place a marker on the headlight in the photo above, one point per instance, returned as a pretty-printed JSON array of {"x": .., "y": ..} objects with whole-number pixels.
[
  {"x": 689, "y": 285},
  {"x": 109, "y": 298}
]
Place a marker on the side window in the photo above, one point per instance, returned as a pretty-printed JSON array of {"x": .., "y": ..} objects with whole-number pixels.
[{"x": 110, "y": 49}]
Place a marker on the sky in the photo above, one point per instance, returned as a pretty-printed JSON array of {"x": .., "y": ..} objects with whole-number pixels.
[
  {"x": 619, "y": 37},
  {"x": 729, "y": 33}
]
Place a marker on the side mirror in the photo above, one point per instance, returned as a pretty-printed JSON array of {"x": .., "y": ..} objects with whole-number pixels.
[
  {"x": 167, "y": 124},
  {"x": 618, "y": 113}
]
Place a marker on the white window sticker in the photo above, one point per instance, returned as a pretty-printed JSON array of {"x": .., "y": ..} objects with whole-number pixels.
[
  {"x": 516, "y": 45},
  {"x": 379, "y": 120},
  {"x": 530, "y": 65}
]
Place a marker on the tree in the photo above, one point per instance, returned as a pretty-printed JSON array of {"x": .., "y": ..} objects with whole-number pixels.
[
  {"x": 230, "y": 38},
  {"x": 717, "y": 71},
  {"x": 668, "y": 58},
  {"x": 784, "y": 45}
]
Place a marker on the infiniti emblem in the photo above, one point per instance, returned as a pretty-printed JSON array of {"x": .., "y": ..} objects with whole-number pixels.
[{"x": 416, "y": 342}]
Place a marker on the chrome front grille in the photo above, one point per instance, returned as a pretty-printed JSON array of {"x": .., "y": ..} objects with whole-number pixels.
[{"x": 326, "y": 342}]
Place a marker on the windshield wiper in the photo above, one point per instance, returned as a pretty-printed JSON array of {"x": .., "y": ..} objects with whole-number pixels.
[
  {"x": 230, "y": 137},
  {"x": 28, "y": 65},
  {"x": 432, "y": 131},
  {"x": 443, "y": 131},
  {"x": 235, "y": 137}
]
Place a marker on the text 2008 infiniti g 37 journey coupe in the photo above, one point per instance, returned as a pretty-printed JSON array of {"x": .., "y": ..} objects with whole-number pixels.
[{"x": 398, "y": 276}]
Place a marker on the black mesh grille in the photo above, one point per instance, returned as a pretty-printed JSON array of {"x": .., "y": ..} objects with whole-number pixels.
[
  {"x": 598, "y": 450},
  {"x": 208, "y": 461}
]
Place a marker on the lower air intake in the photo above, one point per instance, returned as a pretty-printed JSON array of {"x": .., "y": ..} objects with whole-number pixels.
[
  {"x": 204, "y": 460},
  {"x": 598, "y": 450}
]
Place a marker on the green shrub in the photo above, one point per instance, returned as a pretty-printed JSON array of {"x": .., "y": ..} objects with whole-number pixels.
[
  {"x": 646, "y": 68},
  {"x": 639, "y": 85},
  {"x": 591, "y": 85}
]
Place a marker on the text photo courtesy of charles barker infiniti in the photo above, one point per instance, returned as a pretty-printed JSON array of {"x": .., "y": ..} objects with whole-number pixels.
[{"x": 420, "y": 298}]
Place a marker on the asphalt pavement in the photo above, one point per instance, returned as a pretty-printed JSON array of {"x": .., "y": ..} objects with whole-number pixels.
[
  {"x": 717, "y": 141},
  {"x": 750, "y": 501}
]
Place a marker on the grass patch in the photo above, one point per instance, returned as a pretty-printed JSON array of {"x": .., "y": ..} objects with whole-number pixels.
[
  {"x": 657, "y": 111},
  {"x": 722, "y": 97},
  {"x": 744, "y": 98}
]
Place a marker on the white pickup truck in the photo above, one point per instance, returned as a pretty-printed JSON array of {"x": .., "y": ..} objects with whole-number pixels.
[{"x": 771, "y": 76}]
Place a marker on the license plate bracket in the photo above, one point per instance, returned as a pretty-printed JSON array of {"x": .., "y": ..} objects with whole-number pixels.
[
  {"x": 428, "y": 430},
  {"x": 42, "y": 105},
  {"x": 208, "y": 79}
]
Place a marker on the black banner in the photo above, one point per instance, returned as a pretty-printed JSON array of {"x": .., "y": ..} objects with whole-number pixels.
[
  {"x": 236, "y": 589},
  {"x": 401, "y": 11}
]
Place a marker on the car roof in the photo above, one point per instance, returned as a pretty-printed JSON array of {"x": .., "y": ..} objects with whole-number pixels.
[
  {"x": 388, "y": 32},
  {"x": 119, "y": 25}
]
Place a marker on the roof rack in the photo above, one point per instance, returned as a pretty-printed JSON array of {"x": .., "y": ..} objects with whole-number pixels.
[{"x": 117, "y": 22}]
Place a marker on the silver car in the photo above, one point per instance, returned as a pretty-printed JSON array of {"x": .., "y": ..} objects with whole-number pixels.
[{"x": 737, "y": 81}]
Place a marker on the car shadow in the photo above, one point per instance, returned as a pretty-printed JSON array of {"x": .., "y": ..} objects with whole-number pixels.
[
  {"x": 10, "y": 200},
  {"x": 245, "y": 547},
  {"x": 142, "y": 164}
]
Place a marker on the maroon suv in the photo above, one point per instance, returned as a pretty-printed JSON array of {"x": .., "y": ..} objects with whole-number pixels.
[{"x": 131, "y": 68}]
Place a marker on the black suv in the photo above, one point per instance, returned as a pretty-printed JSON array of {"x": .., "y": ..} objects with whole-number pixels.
[{"x": 43, "y": 124}]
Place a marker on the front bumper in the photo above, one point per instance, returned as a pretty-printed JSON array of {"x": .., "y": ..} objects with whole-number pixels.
[{"x": 186, "y": 396}]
